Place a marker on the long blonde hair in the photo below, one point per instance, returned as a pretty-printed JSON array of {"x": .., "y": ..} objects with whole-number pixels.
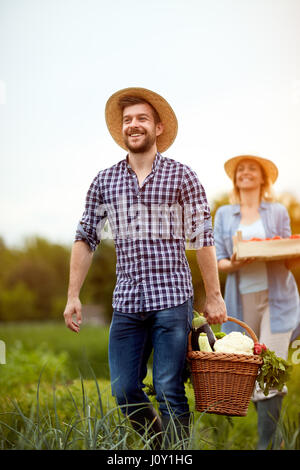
[{"x": 266, "y": 194}]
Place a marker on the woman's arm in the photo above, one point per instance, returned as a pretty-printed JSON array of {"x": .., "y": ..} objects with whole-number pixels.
[
  {"x": 225, "y": 264},
  {"x": 231, "y": 265}
]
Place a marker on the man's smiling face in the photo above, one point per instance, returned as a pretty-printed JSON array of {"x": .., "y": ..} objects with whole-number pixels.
[{"x": 139, "y": 128}]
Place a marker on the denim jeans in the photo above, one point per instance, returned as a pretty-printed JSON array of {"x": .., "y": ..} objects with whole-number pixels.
[{"x": 131, "y": 340}]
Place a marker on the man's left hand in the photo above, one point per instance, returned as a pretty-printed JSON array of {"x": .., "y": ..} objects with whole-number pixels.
[{"x": 215, "y": 309}]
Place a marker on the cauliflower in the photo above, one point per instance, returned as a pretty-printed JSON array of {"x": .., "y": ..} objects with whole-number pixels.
[{"x": 236, "y": 343}]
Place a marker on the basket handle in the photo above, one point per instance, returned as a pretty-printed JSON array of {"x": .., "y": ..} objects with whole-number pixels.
[
  {"x": 235, "y": 320},
  {"x": 246, "y": 327}
]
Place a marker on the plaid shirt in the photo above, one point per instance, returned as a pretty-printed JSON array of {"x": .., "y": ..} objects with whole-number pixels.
[{"x": 152, "y": 226}]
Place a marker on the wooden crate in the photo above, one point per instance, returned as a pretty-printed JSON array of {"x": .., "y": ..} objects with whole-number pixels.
[{"x": 266, "y": 249}]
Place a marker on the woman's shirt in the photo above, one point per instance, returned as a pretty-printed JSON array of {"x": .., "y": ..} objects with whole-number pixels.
[
  {"x": 253, "y": 276},
  {"x": 283, "y": 291}
]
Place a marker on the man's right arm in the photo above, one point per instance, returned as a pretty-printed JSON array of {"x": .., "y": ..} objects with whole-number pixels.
[{"x": 81, "y": 259}]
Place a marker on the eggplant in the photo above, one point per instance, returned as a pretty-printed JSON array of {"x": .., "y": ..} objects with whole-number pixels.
[{"x": 200, "y": 325}]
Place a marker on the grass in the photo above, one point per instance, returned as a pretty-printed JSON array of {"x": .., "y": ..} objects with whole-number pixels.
[
  {"x": 64, "y": 418},
  {"x": 87, "y": 349},
  {"x": 82, "y": 415},
  {"x": 52, "y": 397}
]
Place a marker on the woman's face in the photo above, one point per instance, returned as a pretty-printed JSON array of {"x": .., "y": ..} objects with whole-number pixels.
[{"x": 248, "y": 175}]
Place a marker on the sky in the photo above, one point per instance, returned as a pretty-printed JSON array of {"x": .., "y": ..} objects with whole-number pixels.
[{"x": 229, "y": 68}]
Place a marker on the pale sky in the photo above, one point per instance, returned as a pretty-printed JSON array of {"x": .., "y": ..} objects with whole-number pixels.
[{"x": 229, "y": 68}]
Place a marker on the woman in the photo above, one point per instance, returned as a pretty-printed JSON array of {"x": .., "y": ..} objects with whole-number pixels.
[{"x": 262, "y": 294}]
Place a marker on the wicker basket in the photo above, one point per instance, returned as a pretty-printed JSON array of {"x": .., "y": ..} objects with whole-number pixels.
[{"x": 223, "y": 383}]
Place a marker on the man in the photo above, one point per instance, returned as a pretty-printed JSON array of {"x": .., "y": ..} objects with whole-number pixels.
[{"x": 154, "y": 206}]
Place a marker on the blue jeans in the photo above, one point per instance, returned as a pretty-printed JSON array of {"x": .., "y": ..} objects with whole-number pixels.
[{"x": 131, "y": 340}]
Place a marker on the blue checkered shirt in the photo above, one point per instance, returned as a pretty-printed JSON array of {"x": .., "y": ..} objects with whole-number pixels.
[{"x": 151, "y": 226}]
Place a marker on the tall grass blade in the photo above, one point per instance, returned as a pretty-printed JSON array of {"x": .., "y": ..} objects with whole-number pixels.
[{"x": 98, "y": 391}]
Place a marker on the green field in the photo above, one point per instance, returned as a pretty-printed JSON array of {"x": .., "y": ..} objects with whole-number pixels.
[{"x": 55, "y": 394}]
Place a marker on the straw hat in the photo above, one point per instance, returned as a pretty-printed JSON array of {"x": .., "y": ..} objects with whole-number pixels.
[
  {"x": 113, "y": 116},
  {"x": 270, "y": 168}
]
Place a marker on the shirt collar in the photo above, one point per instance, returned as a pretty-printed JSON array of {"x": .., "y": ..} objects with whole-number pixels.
[
  {"x": 237, "y": 207},
  {"x": 157, "y": 161},
  {"x": 155, "y": 164}
]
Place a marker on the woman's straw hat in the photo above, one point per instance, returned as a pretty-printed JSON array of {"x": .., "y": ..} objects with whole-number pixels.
[
  {"x": 270, "y": 168},
  {"x": 113, "y": 116}
]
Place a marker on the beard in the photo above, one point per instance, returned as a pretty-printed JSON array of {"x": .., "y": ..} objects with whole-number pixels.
[{"x": 144, "y": 144}]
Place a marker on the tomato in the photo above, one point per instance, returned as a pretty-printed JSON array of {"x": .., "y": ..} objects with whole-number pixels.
[{"x": 295, "y": 236}]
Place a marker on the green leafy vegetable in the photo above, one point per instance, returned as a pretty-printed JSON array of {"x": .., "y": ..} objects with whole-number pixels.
[
  {"x": 220, "y": 334},
  {"x": 274, "y": 373}
]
